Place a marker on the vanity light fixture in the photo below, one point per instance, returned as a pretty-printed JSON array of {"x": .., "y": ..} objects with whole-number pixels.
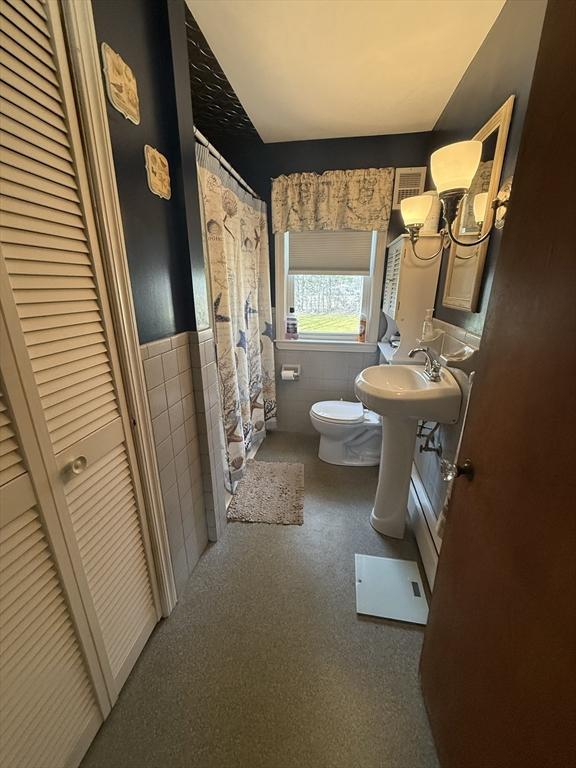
[
  {"x": 453, "y": 168},
  {"x": 415, "y": 211}
]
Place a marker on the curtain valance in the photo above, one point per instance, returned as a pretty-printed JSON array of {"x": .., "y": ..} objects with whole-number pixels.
[{"x": 354, "y": 199}]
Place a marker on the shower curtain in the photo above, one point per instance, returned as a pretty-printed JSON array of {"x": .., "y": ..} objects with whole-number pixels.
[{"x": 235, "y": 235}]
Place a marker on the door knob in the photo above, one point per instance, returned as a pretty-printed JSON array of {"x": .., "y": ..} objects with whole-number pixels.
[
  {"x": 451, "y": 471},
  {"x": 76, "y": 466}
]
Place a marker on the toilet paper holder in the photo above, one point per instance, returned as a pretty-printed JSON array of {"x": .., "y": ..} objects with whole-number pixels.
[{"x": 290, "y": 372}]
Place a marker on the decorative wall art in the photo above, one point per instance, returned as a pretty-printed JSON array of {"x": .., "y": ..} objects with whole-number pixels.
[
  {"x": 121, "y": 85},
  {"x": 158, "y": 172}
]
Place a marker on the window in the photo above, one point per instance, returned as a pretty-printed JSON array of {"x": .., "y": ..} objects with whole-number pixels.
[
  {"x": 330, "y": 279},
  {"x": 328, "y": 304}
]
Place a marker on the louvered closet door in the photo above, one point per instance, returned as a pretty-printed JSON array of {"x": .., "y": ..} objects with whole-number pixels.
[
  {"x": 48, "y": 706},
  {"x": 58, "y": 310}
]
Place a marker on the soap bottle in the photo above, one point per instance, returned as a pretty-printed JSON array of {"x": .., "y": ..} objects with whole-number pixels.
[
  {"x": 291, "y": 325},
  {"x": 427, "y": 327},
  {"x": 362, "y": 329}
]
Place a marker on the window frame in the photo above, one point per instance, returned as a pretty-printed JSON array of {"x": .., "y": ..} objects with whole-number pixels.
[{"x": 371, "y": 298}]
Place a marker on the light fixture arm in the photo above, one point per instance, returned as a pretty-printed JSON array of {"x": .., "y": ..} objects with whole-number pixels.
[
  {"x": 450, "y": 203},
  {"x": 467, "y": 245},
  {"x": 414, "y": 232}
]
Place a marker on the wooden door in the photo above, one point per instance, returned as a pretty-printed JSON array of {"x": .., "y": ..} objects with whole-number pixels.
[
  {"x": 499, "y": 659},
  {"x": 53, "y": 299}
]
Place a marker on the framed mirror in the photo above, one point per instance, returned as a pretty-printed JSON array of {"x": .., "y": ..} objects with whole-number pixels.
[{"x": 466, "y": 265}]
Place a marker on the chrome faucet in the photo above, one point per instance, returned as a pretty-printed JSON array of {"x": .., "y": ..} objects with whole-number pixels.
[{"x": 432, "y": 367}]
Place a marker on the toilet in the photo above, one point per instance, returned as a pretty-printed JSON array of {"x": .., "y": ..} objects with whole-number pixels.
[{"x": 351, "y": 435}]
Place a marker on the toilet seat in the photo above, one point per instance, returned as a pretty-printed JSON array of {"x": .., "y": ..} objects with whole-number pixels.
[{"x": 338, "y": 411}]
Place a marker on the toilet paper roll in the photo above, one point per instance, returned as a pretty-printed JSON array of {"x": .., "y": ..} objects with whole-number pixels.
[{"x": 288, "y": 375}]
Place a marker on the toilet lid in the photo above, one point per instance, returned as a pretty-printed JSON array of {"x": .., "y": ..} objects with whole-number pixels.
[{"x": 341, "y": 411}]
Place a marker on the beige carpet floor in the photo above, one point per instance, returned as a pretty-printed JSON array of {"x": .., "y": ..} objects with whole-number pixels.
[
  {"x": 265, "y": 663},
  {"x": 269, "y": 492}
]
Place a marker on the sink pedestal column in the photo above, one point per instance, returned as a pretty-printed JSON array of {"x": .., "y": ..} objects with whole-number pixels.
[{"x": 398, "y": 441}]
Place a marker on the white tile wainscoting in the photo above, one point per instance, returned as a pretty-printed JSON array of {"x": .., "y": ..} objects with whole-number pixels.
[
  {"x": 428, "y": 464},
  {"x": 325, "y": 375},
  {"x": 168, "y": 374},
  {"x": 429, "y": 489},
  {"x": 184, "y": 402},
  {"x": 210, "y": 429}
]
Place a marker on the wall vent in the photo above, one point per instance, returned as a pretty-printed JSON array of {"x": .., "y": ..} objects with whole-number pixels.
[{"x": 407, "y": 183}]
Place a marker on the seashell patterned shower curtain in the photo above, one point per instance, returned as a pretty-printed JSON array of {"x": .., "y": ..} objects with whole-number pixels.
[{"x": 235, "y": 235}]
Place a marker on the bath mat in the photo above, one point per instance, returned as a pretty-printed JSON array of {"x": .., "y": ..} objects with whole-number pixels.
[{"x": 269, "y": 492}]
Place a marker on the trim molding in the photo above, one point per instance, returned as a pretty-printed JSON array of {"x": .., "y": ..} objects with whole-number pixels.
[
  {"x": 324, "y": 345},
  {"x": 85, "y": 67}
]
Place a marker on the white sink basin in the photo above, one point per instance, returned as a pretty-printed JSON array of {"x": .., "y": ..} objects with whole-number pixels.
[
  {"x": 402, "y": 395},
  {"x": 405, "y": 392}
]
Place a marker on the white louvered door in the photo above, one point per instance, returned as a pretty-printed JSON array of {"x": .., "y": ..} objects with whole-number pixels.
[
  {"x": 47, "y": 703},
  {"x": 55, "y": 306},
  {"x": 52, "y": 693}
]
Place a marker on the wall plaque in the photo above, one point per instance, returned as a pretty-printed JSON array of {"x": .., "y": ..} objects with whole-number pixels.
[
  {"x": 121, "y": 85},
  {"x": 158, "y": 172}
]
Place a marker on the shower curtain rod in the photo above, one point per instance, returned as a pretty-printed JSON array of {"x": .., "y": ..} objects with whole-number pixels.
[{"x": 199, "y": 136}]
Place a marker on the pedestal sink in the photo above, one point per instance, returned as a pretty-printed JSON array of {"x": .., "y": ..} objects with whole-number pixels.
[{"x": 402, "y": 395}]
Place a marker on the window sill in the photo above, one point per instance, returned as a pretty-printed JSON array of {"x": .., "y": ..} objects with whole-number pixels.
[{"x": 319, "y": 345}]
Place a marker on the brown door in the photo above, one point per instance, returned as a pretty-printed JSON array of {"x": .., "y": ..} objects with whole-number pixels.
[{"x": 499, "y": 661}]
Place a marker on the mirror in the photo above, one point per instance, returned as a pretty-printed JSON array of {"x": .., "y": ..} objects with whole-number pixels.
[
  {"x": 465, "y": 265},
  {"x": 473, "y": 211}
]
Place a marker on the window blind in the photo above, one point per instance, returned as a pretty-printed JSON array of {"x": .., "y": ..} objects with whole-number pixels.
[{"x": 330, "y": 253}]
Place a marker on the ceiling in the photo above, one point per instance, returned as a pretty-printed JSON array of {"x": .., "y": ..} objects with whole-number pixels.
[{"x": 316, "y": 69}]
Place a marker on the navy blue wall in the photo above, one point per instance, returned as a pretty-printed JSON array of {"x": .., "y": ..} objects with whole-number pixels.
[
  {"x": 504, "y": 65},
  {"x": 155, "y": 229}
]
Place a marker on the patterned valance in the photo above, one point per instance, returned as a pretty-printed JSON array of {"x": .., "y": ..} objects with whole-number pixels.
[{"x": 358, "y": 200}]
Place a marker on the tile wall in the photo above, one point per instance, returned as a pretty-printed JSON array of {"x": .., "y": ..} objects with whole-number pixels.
[
  {"x": 210, "y": 430},
  {"x": 448, "y": 435},
  {"x": 324, "y": 376},
  {"x": 168, "y": 375}
]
